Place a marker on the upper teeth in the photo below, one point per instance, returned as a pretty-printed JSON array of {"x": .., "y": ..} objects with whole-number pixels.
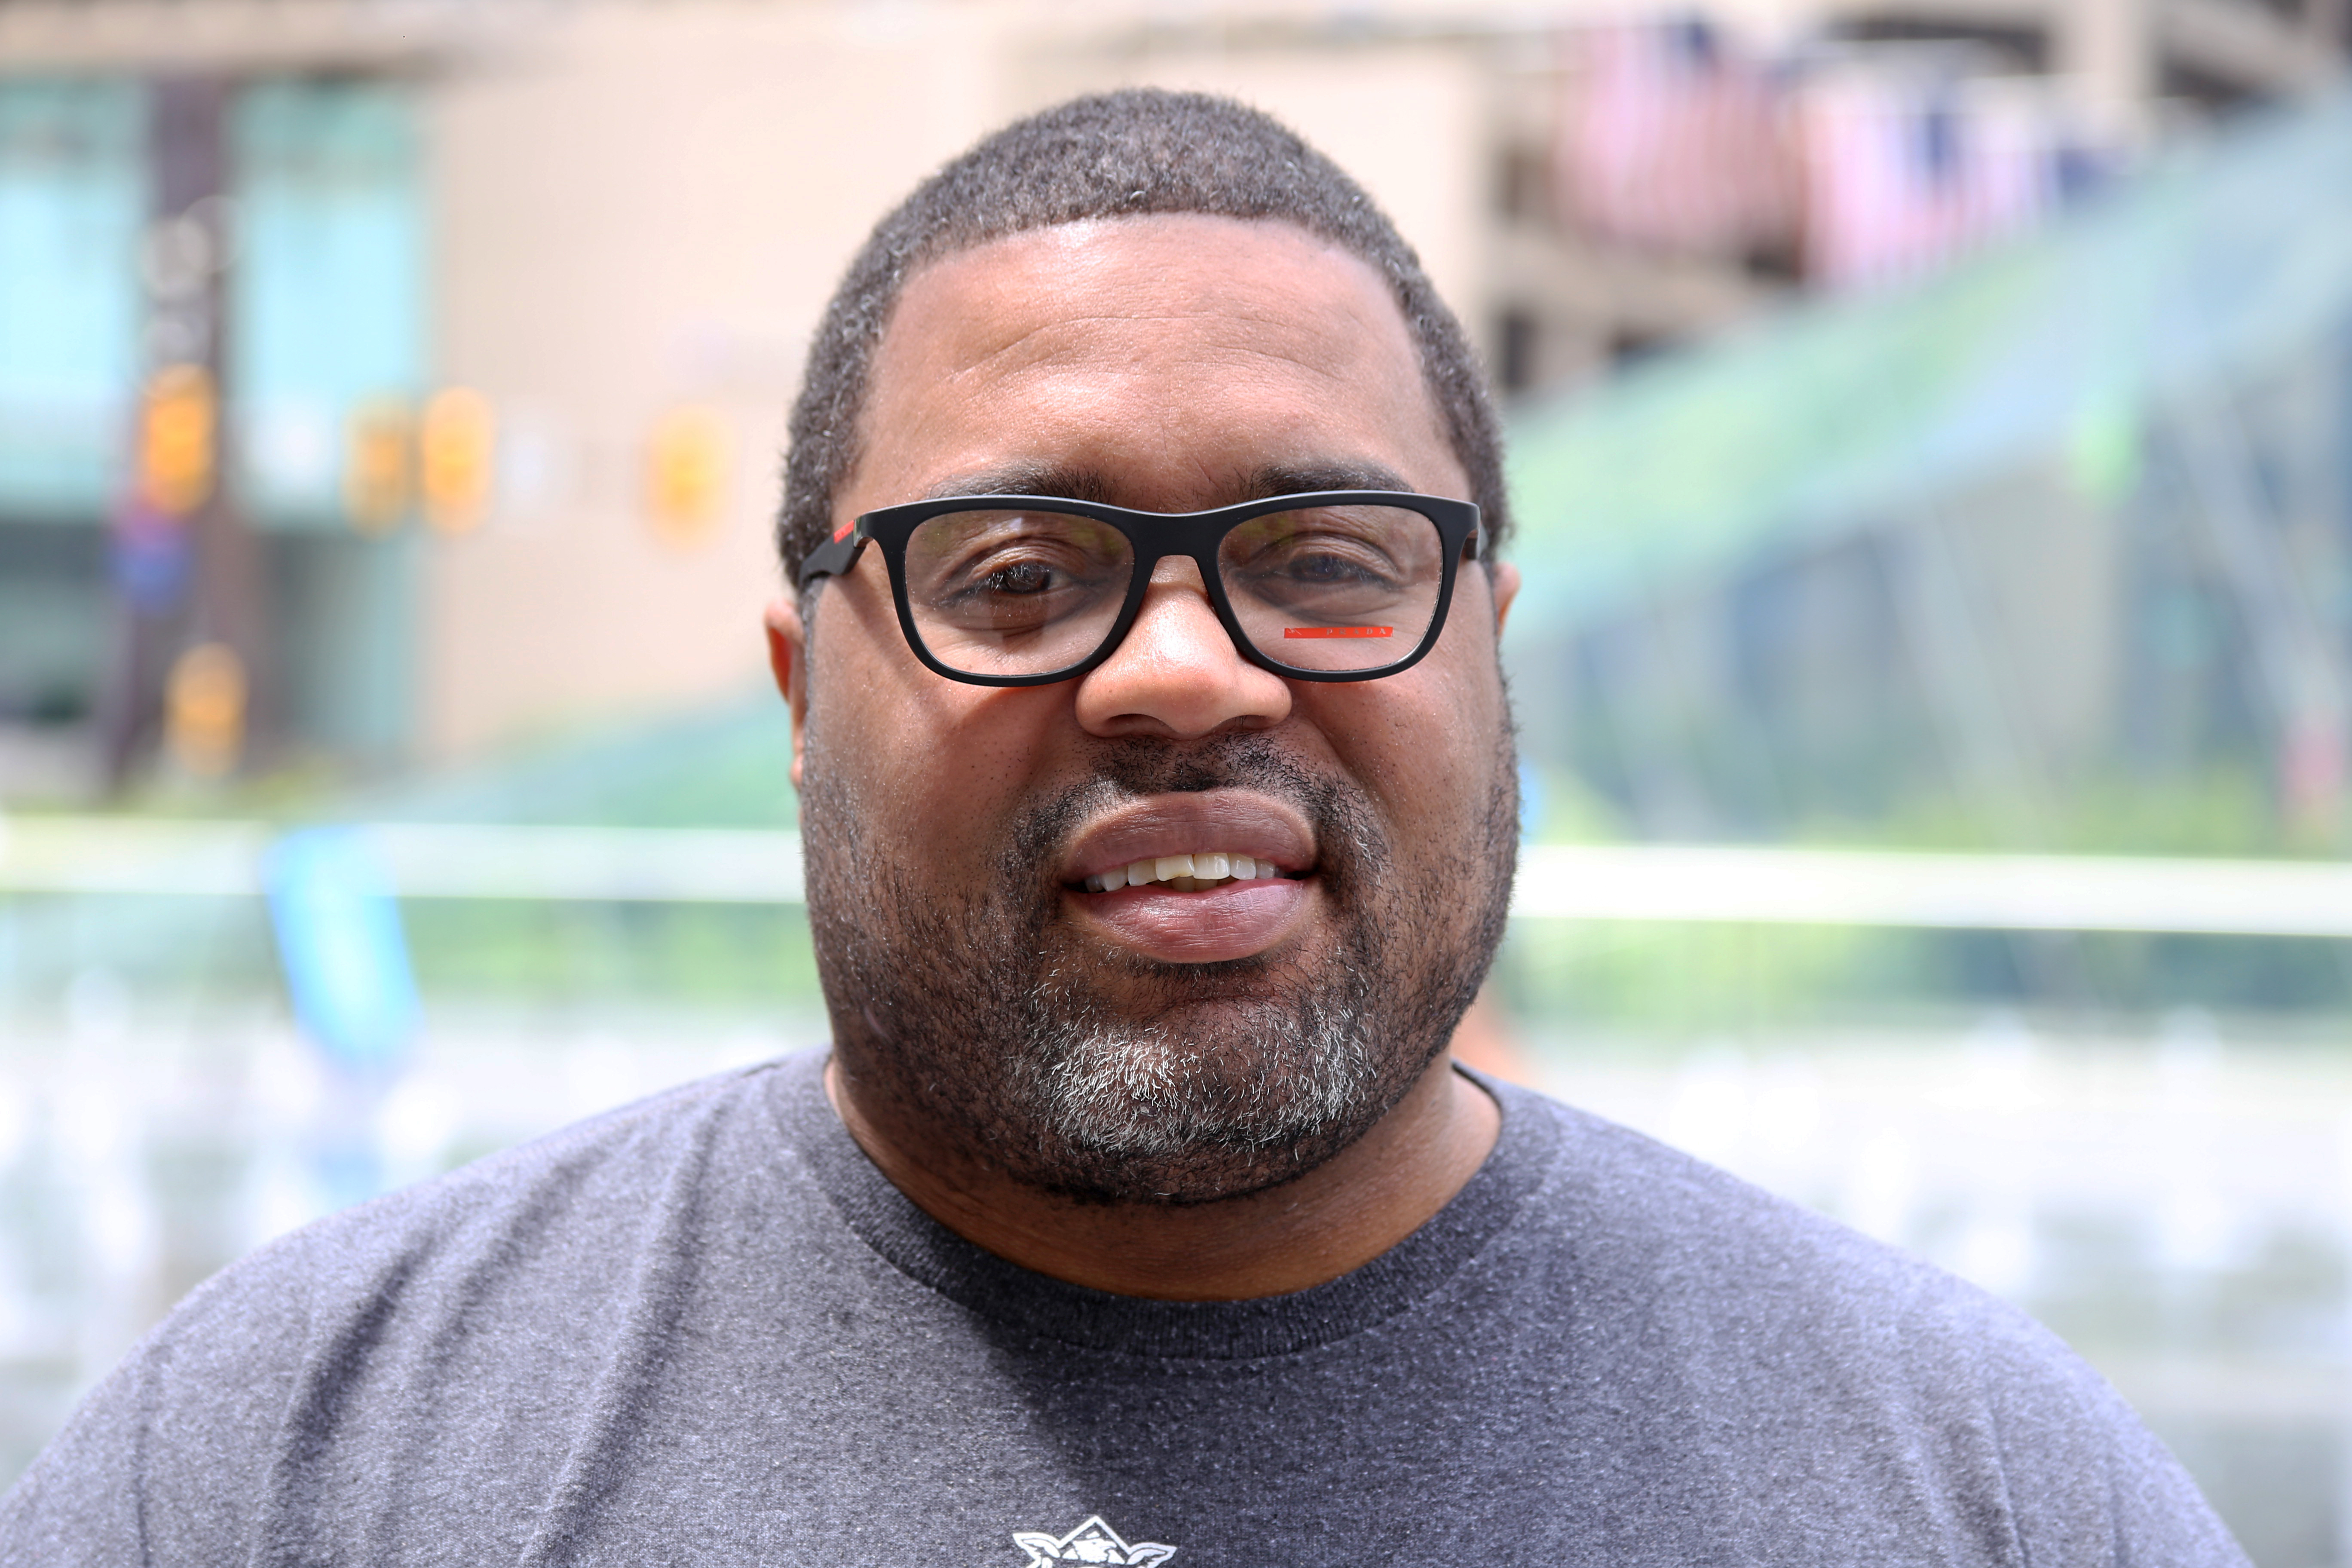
[{"x": 1185, "y": 870}]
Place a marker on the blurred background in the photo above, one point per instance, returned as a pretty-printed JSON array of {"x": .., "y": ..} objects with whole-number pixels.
[{"x": 1933, "y": 453}]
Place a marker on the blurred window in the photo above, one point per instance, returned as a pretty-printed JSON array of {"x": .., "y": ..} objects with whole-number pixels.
[
  {"x": 73, "y": 196},
  {"x": 327, "y": 308}
]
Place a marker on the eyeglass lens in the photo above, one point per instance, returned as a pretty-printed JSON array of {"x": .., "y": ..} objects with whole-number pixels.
[{"x": 1015, "y": 592}]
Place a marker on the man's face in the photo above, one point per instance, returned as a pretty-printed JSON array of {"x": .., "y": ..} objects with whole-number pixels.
[{"x": 1148, "y": 1043}]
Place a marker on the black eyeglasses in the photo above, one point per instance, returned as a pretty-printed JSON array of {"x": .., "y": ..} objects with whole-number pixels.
[{"x": 1028, "y": 590}]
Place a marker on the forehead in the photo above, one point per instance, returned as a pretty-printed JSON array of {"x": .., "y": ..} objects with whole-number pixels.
[{"x": 1169, "y": 361}]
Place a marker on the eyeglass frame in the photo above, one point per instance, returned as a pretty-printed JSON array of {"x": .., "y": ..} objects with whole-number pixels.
[{"x": 1194, "y": 534}]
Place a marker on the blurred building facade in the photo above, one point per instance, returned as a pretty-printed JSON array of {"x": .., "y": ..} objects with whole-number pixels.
[{"x": 380, "y": 383}]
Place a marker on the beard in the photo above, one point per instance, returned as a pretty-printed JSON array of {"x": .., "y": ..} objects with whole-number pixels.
[{"x": 978, "y": 1014}]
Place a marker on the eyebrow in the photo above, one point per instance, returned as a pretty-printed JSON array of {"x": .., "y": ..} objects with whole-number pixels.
[
  {"x": 1287, "y": 478},
  {"x": 1077, "y": 483},
  {"x": 1026, "y": 478}
]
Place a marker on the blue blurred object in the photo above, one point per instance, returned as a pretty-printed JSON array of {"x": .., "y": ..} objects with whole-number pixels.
[
  {"x": 149, "y": 557},
  {"x": 340, "y": 943}
]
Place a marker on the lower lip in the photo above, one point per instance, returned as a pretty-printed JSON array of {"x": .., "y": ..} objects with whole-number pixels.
[{"x": 1233, "y": 920}]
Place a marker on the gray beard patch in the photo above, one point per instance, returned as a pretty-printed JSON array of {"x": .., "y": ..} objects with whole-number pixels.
[
  {"x": 1147, "y": 1107},
  {"x": 956, "y": 1004}
]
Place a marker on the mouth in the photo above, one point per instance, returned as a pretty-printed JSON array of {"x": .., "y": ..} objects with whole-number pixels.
[{"x": 1136, "y": 878}]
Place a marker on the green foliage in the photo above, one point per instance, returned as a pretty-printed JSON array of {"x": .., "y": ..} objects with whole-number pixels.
[
  {"x": 1697, "y": 977},
  {"x": 725, "y": 766},
  {"x": 1679, "y": 980},
  {"x": 2221, "y": 811}
]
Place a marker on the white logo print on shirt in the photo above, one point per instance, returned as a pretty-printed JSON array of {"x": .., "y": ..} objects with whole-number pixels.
[{"x": 1093, "y": 1541}]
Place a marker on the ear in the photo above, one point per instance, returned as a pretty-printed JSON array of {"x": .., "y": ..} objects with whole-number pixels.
[
  {"x": 1506, "y": 581},
  {"x": 788, "y": 659}
]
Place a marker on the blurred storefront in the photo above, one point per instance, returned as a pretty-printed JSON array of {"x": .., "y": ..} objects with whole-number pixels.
[
  {"x": 305, "y": 296},
  {"x": 500, "y": 315}
]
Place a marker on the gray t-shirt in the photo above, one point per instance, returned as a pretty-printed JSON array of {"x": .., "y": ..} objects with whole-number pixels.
[{"x": 705, "y": 1331}]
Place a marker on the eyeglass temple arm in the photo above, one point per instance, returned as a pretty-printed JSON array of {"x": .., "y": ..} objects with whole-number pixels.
[{"x": 835, "y": 557}]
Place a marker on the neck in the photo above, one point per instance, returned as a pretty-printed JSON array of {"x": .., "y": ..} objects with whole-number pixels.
[{"x": 1336, "y": 1217}]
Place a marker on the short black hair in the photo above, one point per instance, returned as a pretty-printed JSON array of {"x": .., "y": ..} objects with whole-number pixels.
[{"x": 1115, "y": 154}]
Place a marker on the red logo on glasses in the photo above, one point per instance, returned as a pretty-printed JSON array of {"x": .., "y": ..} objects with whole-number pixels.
[
  {"x": 1338, "y": 631},
  {"x": 845, "y": 531}
]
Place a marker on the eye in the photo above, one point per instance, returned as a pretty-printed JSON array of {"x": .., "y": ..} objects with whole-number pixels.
[
  {"x": 1019, "y": 577},
  {"x": 1326, "y": 567},
  {"x": 1320, "y": 562}
]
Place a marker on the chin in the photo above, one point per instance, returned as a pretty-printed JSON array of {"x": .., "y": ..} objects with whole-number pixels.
[{"x": 1163, "y": 1114}]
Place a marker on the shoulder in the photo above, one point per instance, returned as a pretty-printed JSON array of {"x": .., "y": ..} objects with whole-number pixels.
[
  {"x": 536, "y": 1205},
  {"x": 507, "y": 1268},
  {"x": 563, "y": 1209},
  {"x": 1833, "y": 1356},
  {"x": 1705, "y": 1251}
]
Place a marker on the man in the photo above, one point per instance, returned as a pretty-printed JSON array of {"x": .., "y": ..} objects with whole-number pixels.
[{"x": 1157, "y": 788}]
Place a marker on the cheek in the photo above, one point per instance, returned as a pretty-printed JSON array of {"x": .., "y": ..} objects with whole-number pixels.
[
  {"x": 1421, "y": 744},
  {"x": 966, "y": 768},
  {"x": 1433, "y": 733},
  {"x": 928, "y": 766}
]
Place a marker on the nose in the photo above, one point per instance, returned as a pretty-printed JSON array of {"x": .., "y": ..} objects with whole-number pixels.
[{"x": 1176, "y": 673}]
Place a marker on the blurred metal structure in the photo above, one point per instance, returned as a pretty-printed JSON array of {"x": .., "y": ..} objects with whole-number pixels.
[{"x": 2067, "y": 529}]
